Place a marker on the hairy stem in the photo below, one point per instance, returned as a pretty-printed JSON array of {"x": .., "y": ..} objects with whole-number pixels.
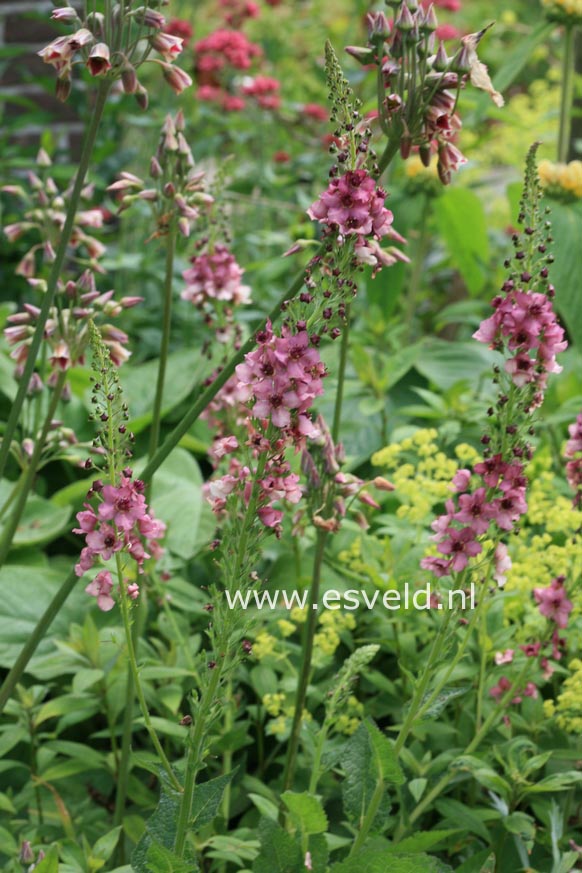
[
  {"x": 28, "y": 479},
  {"x": 123, "y": 599},
  {"x": 306, "y": 656},
  {"x": 49, "y": 296}
]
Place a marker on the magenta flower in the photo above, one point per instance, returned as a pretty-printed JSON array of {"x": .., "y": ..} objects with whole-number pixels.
[
  {"x": 123, "y": 505},
  {"x": 100, "y": 587},
  {"x": 553, "y": 602}
]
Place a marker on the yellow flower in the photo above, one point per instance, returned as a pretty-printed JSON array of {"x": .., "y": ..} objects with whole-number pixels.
[
  {"x": 299, "y": 614},
  {"x": 273, "y": 703},
  {"x": 277, "y": 727},
  {"x": 264, "y": 645},
  {"x": 286, "y": 627},
  {"x": 563, "y": 181},
  {"x": 569, "y": 701},
  {"x": 326, "y": 641},
  {"x": 564, "y": 10}
]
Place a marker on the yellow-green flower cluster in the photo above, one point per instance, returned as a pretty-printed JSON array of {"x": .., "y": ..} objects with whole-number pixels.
[
  {"x": 421, "y": 473},
  {"x": 566, "y": 11},
  {"x": 282, "y": 713},
  {"x": 349, "y": 721},
  {"x": 567, "y": 708},
  {"x": 562, "y": 181},
  {"x": 264, "y": 645},
  {"x": 332, "y": 623}
]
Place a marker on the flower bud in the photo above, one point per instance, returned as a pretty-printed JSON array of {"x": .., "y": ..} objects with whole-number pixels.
[
  {"x": 441, "y": 61},
  {"x": 184, "y": 226},
  {"x": 461, "y": 62},
  {"x": 26, "y": 854},
  {"x": 156, "y": 171},
  {"x": 425, "y": 154},
  {"x": 404, "y": 21},
  {"x": 63, "y": 88},
  {"x": 363, "y": 55},
  {"x": 429, "y": 22},
  {"x": 141, "y": 96},
  {"x": 405, "y": 146},
  {"x": 378, "y": 27},
  {"x": 129, "y": 79},
  {"x": 383, "y": 484},
  {"x": 99, "y": 62}
]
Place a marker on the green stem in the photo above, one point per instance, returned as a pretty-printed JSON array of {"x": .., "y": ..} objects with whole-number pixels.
[
  {"x": 12, "y": 523},
  {"x": 49, "y": 296},
  {"x": 165, "y": 344},
  {"x": 389, "y": 153},
  {"x": 127, "y": 732},
  {"x": 339, "y": 397},
  {"x": 422, "y": 685},
  {"x": 306, "y": 656},
  {"x": 123, "y": 599},
  {"x": 12, "y": 496},
  {"x": 194, "y": 759},
  {"x": 227, "y": 756},
  {"x": 417, "y": 267},
  {"x": 371, "y": 814},
  {"x": 566, "y": 95}
]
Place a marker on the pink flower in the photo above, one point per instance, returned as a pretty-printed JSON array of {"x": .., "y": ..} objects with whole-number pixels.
[
  {"x": 215, "y": 276},
  {"x": 475, "y": 511},
  {"x": 100, "y": 588},
  {"x": 461, "y": 545},
  {"x": 505, "y": 657},
  {"x": 501, "y": 565},
  {"x": 167, "y": 45},
  {"x": 352, "y": 204},
  {"x": 553, "y": 602},
  {"x": 123, "y": 505},
  {"x": 103, "y": 541}
]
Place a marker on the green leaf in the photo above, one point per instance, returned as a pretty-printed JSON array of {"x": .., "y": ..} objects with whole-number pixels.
[
  {"x": 184, "y": 371},
  {"x": 105, "y": 845},
  {"x": 360, "y": 764},
  {"x": 178, "y": 501},
  {"x": 445, "y": 364},
  {"x": 307, "y": 810},
  {"x": 65, "y": 705},
  {"x": 279, "y": 851},
  {"x": 50, "y": 862},
  {"x": 460, "y": 815},
  {"x": 489, "y": 865},
  {"x": 26, "y": 592},
  {"x": 463, "y": 225},
  {"x": 385, "y": 756},
  {"x": 382, "y": 861},
  {"x": 206, "y": 800},
  {"x": 423, "y": 840},
  {"x": 40, "y": 522},
  {"x": 567, "y": 233},
  {"x": 555, "y": 782},
  {"x": 160, "y": 831}
]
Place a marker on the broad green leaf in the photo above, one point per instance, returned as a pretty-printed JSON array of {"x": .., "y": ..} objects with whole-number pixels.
[
  {"x": 206, "y": 800},
  {"x": 41, "y": 522},
  {"x": 184, "y": 371},
  {"x": 266, "y": 807},
  {"x": 85, "y": 679},
  {"x": 160, "y": 830},
  {"x": 65, "y": 705},
  {"x": 178, "y": 501},
  {"x": 460, "y": 815},
  {"x": 463, "y": 225},
  {"x": 444, "y": 364},
  {"x": 307, "y": 811},
  {"x": 26, "y": 592},
  {"x": 279, "y": 851},
  {"x": 489, "y": 865}
]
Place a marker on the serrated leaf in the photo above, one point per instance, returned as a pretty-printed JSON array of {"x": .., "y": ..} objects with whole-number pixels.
[
  {"x": 382, "y": 861},
  {"x": 361, "y": 777},
  {"x": 279, "y": 851},
  {"x": 307, "y": 810},
  {"x": 206, "y": 800},
  {"x": 385, "y": 755}
]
